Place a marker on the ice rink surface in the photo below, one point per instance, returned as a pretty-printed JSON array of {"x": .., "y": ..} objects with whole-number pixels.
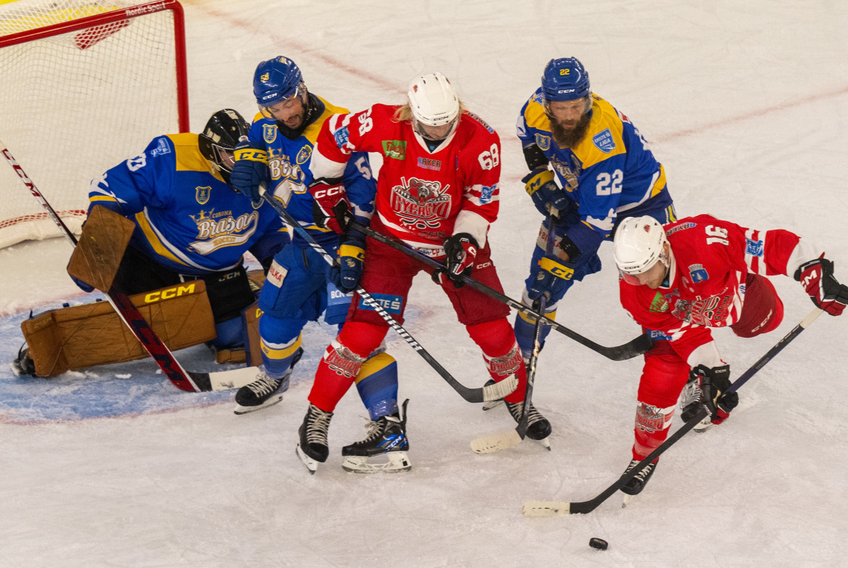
[{"x": 745, "y": 105}]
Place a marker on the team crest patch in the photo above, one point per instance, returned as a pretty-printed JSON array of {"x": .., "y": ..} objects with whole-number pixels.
[
  {"x": 604, "y": 142},
  {"x": 659, "y": 304},
  {"x": 754, "y": 248},
  {"x": 342, "y": 136},
  {"x": 201, "y": 194},
  {"x": 391, "y": 304},
  {"x": 304, "y": 155},
  {"x": 543, "y": 142},
  {"x": 698, "y": 273},
  {"x": 161, "y": 148},
  {"x": 269, "y": 133},
  {"x": 486, "y": 193}
]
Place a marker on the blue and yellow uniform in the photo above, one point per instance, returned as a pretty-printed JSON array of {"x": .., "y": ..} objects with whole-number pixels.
[{"x": 610, "y": 174}]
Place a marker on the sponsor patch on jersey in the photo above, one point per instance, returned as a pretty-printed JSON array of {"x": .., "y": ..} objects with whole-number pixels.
[
  {"x": 673, "y": 230},
  {"x": 543, "y": 142},
  {"x": 486, "y": 193},
  {"x": 161, "y": 148},
  {"x": 428, "y": 164},
  {"x": 201, "y": 194},
  {"x": 391, "y": 304},
  {"x": 342, "y": 136},
  {"x": 269, "y": 133},
  {"x": 396, "y": 149},
  {"x": 481, "y": 121},
  {"x": 303, "y": 155},
  {"x": 659, "y": 304},
  {"x": 603, "y": 140},
  {"x": 698, "y": 273},
  {"x": 657, "y": 335},
  {"x": 336, "y": 296},
  {"x": 754, "y": 248},
  {"x": 276, "y": 274}
]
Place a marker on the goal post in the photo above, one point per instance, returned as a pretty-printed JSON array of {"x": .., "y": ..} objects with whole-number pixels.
[{"x": 84, "y": 85}]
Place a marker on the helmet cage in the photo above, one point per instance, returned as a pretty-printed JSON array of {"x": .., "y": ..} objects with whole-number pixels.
[{"x": 219, "y": 138}]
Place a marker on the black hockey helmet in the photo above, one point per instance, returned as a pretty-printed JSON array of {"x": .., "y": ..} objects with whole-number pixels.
[{"x": 219, "y": 138}]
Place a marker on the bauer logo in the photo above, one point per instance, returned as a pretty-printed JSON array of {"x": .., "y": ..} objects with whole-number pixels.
[
  {"x": 604, "y": 142},
  {"x": 391, "y": 304},
  {"x": 754, "y": 248}
]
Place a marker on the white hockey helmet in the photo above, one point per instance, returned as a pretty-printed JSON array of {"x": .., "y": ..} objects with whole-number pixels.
[
  {"x": 638, "y": 245},
  {"x": 432, "y": 100}
]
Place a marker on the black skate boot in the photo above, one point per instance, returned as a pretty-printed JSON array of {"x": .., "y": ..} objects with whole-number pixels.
[
  {"x": 538, "y": 427},
  {"x": 637, "y": 484},
  {"x": 23, "y": 363},
  {"x": 264, "y": 391},
  {"x": 313, "y": 447},
  {"x": 386, "y": 439}
]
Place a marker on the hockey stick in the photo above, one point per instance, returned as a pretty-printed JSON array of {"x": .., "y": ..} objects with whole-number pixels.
[
  {"x": 491, "y": 392},
  {"x": 129, "y": 314},
  {"x": 496, "y": 442},
  {"x": 552, "y": 508},
  {"x": 631, "y": 349}
]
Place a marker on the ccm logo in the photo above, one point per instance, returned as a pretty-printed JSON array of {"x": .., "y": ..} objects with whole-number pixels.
[
  {"x": 328, "y": 192},
  {"x": 169, "y": 293},
  {"x": 809, "y": 278}
]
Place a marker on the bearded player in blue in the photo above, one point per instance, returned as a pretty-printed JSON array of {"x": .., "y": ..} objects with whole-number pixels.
[
  {"x": 190, "y": 223},
  {"x": 591, "y": 165},
  {"x": 300, "y": 284}
]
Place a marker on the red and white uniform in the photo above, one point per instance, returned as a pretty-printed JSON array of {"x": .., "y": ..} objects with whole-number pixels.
[
  {"x": 423, "y": 197},
  {"x": 716, "y": 279}
]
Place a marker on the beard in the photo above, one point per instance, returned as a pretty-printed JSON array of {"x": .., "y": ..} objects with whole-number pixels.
[{"x": 570, "y": 137}]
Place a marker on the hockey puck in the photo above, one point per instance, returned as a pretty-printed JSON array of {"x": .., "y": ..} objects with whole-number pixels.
[{"x": 598, "y": 543}]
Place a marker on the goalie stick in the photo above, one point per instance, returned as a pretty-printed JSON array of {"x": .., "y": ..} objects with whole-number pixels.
[
  {"x": 553, "y": 508},
  {"x": 491, "y": 392},
  {"x": 633, "y": 348},
  {"x": 129, "y": 314}
]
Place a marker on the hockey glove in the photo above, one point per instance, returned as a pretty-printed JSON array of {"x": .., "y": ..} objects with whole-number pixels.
[
  {"x": 541, "y": 187},
  {"x": 460, "y": 252},
  {"x": 331, "y": 208},
  {"x": 347, "y": 271},
  {"x": 825, "y": 291},
  {"x": 714, "y": 382},
  {"x": 250, "y": 169},
  {"x": 551, "y": 279}
]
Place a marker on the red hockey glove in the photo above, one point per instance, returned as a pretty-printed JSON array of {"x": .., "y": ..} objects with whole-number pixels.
[
  {"x": 824, "y": 290},
  {"x": 714, "y": 383},
  {"x": 461, "y": 250},
  {"x": 331, "y": 207}
]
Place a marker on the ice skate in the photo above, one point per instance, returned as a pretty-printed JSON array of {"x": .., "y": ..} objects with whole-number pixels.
[
  {"x": 383, "y": 450},
  {"x": 690, "y": 401},
  {"x": 538, "y": 427},
  {"x": 313, "y": 447},
  {"x": 637, "y": 484},
  {"x": 264, "y": 391}
]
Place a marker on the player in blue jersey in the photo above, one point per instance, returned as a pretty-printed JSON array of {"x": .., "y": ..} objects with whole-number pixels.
[
  {"x": 190, "y": 223},
  {"x": 300, "y": 284},
  {"x": 589, "y": 163}
]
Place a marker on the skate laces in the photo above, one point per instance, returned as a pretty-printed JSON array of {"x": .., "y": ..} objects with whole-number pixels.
[
  {"x": 645, "y": 470},
  {"x": 515, "y": 408},
  {"x": 317, "y": 425},
  {"x": 264, "y": 385}
]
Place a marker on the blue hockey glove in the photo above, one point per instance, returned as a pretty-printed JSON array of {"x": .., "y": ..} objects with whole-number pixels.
[
  {"x": 540, "y": 185},
  {"x": 250, "y": 169},
  {"x": 348, "y": 271},
  {"x": 552, "y": 277}
]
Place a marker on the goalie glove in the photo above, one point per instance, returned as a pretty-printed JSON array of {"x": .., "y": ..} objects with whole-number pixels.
[
  {"x": 330, "y": 208},
  {"x": 250, "y": 169},
  {"x": 816, "y": 276},
  {"x": 540, "y": 186},
  {"x": 714, "y": 383}
]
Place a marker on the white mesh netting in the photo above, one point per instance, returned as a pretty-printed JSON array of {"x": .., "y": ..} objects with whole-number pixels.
[{"x": 72, "y": 105}]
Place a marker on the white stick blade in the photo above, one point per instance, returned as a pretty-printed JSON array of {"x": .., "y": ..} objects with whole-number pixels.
[
  {"x": 499, "y": 390},
  {"x": 492, "y": 443},
  {"x": 545, "y": 508},
  {"x": 235, "y": 379}
]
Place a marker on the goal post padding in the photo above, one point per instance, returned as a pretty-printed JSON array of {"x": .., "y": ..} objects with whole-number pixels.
[{"x": 85, "y": 86}]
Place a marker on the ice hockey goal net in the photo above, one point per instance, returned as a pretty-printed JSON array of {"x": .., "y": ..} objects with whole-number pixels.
[{"x": 84, "y": 85}]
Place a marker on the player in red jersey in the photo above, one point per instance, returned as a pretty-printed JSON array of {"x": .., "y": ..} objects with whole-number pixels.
[
  {"x": 678, "y": 281},
  {"x": 438, "y": 191}
]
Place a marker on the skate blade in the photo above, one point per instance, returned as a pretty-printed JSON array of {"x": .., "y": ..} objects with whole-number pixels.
[
  {"x": 627, "y": 499},
  {"x": 311, "y": 464},
  {"x": 492, "y": 404},
  {"x": 544, "y": 442},
  {"x": 396, "y": 462},
  {"x": 703, "y": 425},
  {"x": 239, "y": 410}
]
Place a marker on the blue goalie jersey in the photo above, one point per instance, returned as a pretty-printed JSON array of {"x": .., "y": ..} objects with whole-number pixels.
[
  {"x": 187, "y": 218},
  {"x": 611, "y": 171},
  {"x": 289, "y": 164}
]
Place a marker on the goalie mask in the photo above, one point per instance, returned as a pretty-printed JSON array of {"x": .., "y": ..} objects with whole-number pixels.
[{"x": 219, "y": 138}]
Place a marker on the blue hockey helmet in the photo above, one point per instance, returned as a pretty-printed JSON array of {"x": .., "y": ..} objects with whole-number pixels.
[
  {"x": 565, "y": 79},
  {"x": 276, "y": 80}
]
